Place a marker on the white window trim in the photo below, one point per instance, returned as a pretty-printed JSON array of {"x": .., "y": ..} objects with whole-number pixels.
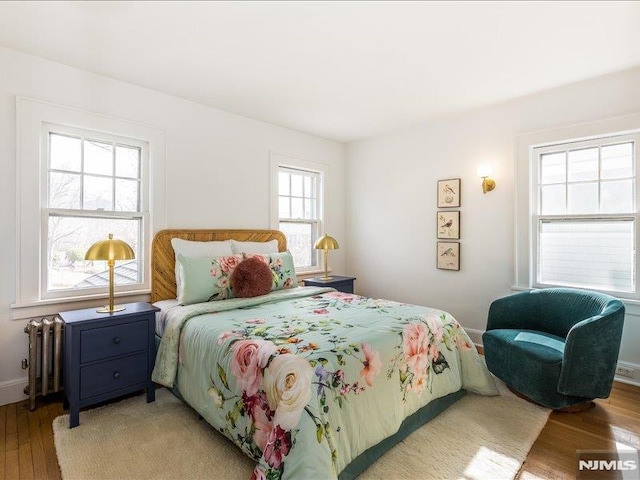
[
  {"x": 526, "y": 192},
  {"x": 277, "y": 160},
  {"x": 31, "y": 116}
]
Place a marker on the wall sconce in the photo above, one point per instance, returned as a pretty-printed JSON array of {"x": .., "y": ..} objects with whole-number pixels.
[{"x": 488, "y": 184}]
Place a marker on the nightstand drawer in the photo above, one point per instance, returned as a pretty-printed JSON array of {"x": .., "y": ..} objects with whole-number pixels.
[
  {"x": 106, "y": 342},
  {"x": 345, "y": 286},
  {"x": 113, "y": 375}
]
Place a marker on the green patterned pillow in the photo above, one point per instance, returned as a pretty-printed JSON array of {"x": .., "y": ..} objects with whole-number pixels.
[
  {"x": 203, "y": 278},
  {"x": 207, "y": 278},
  {"x": 283, "y": 271}
]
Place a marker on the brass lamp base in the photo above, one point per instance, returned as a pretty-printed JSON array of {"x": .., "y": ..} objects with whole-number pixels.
[
  {"x": 326, "y": 279},
  {"x": 116, "y": 308}
]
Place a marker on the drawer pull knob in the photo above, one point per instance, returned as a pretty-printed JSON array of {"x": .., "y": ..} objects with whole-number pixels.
[
  {"x": 116, "y": 340},
  {"x": 116, "y": 375}
]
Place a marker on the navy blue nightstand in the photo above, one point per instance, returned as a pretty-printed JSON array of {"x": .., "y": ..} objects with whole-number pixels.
[
  {"x": 342, "y": 284},
  {"x": 107, "y": 355}
]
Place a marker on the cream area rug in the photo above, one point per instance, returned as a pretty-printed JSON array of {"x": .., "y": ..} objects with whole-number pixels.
[{"x": 476, "y": 438}]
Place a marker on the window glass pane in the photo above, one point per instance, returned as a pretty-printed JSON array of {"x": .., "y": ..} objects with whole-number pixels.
[
  {"x": 590, "y": 254},
  {"x": 97, "y": 193},
  {"x": 64, "y": 190},
  {"x": 617, "y": 160},
  {"x": 283, "y": 183},
  {"x": 300, "y": 240},
  {"x": 552, "y": 199},
  {"x": 65, "y": 153},
  {"x": 583, "y": 164},
  {"x": 308, "y": 209},
  {"x": 617, "y": 197},
  {"x": 69, "y": 240},
  {"x": 296, "y": 208},
  {"x": 307, "y": 186},
  {"x": 583, "y": 198},
  {"x": 284, "y": 207},
  {"x": 552, "y": 168},
  {"x": 127, "y": 195},
  {"x": 98, "y": 157},
  {"x": 127, "y": 162},
  {"x": 296, "y": 185}
]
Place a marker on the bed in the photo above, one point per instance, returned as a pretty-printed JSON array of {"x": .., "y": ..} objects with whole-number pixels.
[{"x": 309, "y": 382}]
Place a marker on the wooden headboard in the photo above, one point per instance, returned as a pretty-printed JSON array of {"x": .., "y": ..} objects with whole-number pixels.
[{"x": 163, "y": 260}]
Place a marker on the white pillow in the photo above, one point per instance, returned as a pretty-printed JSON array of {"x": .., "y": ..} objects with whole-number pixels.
[
  {"x": 254, "y": 247},
  {"x": 190, "y": 249}
]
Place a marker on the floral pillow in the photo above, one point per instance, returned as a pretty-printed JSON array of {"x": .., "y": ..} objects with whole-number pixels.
[
  {"x": 202, "y": 277},
  {"x": 283, "y": 270},
  {"x": 281, "y": 265},
  {"x": 206, "y": 278}
]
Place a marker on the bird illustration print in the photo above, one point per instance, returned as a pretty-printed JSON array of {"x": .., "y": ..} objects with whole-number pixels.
[
  {"x": 448, "y": 253},
  {"x": 447, "y": 224},
  {"x": 448, "y": 189}
]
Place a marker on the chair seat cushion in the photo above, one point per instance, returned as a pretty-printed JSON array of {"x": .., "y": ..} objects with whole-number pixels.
[
  {"x": 528, "y": 361},
  {"x": 544, "y": 347}
]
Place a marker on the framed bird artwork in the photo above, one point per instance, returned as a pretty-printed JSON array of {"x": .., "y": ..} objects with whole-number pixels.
[
  {"x": 448, "y": 256},
  {"x": 449, "y": 193},
  {"x": 448, "y": 225}
]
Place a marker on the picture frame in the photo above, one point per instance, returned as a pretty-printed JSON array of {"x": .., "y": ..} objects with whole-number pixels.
[
  {"x": 448, "y": 224},
  {"x": 448, "y": 255},
  {"x": 449, "y": 193}
]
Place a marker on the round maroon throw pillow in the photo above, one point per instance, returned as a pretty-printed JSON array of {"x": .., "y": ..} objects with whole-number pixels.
[{"x": 252, "y": 277}]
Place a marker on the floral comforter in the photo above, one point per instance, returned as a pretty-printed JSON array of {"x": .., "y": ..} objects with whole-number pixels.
[{"x": 306, "y": 379}]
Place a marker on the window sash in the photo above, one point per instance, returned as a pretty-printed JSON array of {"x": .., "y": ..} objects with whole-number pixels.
[
  {"x": 317, "y": 173},
  {"x": 576, "y": 256},
  {"x": 312, "y": 197},
  {"x": 313, "y": 254},
  {"x": 537, "y": 278},
  {"x": 48, "y": 213},
  {"x": 140, "y": 214}
]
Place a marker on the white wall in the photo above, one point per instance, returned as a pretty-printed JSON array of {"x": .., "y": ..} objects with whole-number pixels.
[
  {"x": 391, "y": 200},
  {"x": 217, "y": 166}
]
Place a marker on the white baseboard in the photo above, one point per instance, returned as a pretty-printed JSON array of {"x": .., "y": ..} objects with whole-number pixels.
[
  {"x": 12, "y": 391},
  {"x": 628, "y": 381}
]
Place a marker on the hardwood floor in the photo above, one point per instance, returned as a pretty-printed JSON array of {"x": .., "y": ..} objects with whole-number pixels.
[
  {"x": 27, "y": 450},
  {"x": 26, "y": 441},
  {"x": 613, "y": 420}
]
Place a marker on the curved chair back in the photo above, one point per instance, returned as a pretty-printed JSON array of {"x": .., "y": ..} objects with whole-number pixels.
[{"x": 550, "y": 310}]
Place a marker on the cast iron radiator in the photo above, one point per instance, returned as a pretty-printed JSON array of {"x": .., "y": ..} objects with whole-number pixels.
[{"x": 45, "y": 358}]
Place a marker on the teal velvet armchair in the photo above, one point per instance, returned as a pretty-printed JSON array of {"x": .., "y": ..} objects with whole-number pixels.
[{"x": 558, "y": 347}]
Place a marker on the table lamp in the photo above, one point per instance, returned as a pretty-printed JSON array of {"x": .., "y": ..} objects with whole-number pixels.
[
  {"x": 326, "y": 243},
  {"x": 110, "y": 250}
]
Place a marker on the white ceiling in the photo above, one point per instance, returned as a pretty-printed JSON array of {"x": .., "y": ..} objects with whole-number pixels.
[{"x": 340, "y": 70}]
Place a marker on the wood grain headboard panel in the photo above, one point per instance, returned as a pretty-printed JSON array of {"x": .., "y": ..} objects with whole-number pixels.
[{"x": 163, "y": 260}]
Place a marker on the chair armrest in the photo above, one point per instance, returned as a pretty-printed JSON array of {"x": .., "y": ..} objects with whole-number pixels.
[{"x": 591, "y": 354}]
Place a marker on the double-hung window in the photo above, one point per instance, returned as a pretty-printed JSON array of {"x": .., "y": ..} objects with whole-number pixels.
[
  {"x": 95, "y": 185},
  {"x": 585, "y": 214},
  {"x": 297, "y": 207}
]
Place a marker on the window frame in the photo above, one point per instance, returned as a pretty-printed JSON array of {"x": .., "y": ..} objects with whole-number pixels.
[
  {"x": 31, "y": 189},
  {"x": 538, "y": 218},
  {"x": 291, "y": 164},
  {"x": 142, "y": 213}
]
